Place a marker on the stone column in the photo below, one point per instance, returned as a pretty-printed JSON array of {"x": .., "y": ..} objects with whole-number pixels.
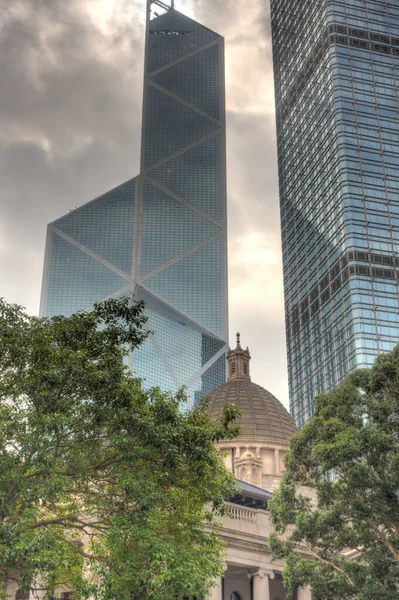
[
  {"x": 261, "y": 584},
  {"x": 216, "y": 592},
  {"x": 304, "y": 593},
  {"x": 277, "y": 462}
]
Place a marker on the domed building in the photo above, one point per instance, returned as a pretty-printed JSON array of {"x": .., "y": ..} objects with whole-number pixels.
[{"x": 256, "y": 458}]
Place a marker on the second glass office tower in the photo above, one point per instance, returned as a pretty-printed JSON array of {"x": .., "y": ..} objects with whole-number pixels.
[
  {"x": 336, "y": 66},
  {"x": 161, "y": 237}
]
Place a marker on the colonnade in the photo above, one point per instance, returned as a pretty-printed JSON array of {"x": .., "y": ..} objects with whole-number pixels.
[{"x": 261, "y": 587}]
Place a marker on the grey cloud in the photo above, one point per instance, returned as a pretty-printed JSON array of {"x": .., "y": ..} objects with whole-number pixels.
[
  {"x": 56, "y": 87},
  {"x": 70, "y": 117}
]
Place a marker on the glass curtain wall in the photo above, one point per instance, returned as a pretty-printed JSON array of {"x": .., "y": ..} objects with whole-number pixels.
[
  {"x": 161, "y": 237},
  {"x": 337, "y": 100}
]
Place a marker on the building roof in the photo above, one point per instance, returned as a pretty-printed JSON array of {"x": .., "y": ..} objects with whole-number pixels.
[
  {"x": 264, "y": 418},
  {"x": 251, "y": 496},
  {"x": 253, "y": 490}
]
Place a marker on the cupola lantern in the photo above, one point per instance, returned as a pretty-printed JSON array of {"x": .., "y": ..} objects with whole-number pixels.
[{"x": 238, "y": 362}]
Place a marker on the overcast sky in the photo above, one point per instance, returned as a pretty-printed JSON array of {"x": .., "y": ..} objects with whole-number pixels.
[{"x": 70, "y": 111}]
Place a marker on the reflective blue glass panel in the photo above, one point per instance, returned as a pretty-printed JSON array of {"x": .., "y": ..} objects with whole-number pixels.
[
  {"x": 214, "y": 376},
  {"x": 105, "y": 226},
  {"x": 169, "y": 228},
  {"x": 196, "y": 80},
  {"x": 194, "y": 285},
  {"x": 148, "y": 365},
  {"x": 195, "y": 176},
  {"x": 77, "y": 280},
  {"x": 170, "y": 126},
  {"x": 172, "y": 35},
  {"x": 338, "y": 142},
  {"x": 186, "y": 349}
]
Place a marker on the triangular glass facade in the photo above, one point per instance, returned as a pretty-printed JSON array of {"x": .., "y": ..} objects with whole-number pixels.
[
  {"x": 161, "y": 236},
  {"x": 169, "y": 228},
  {"x": 200, "y": 184},
  {"x": 193, "y": 285},
  {"x": 173, "y": 36},
  {"x": 77, "y": 280},
  {"x": 183, "y": 80},
  {"x": 185, "y": 348},
  {"x": 171, "y": 126},
  {"x": 105, "y": 226}
]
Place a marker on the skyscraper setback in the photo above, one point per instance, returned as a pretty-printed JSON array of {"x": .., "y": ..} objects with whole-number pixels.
[
  {"x": 336, "y": 65},
  {"x": 161, "y": 236}
]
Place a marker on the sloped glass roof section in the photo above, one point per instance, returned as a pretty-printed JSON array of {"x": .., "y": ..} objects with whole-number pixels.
[
  {"x": 211, "y": 379},
  {"x": 172, "y": 36},
  {"x": 186, "y": 349},
  {"x": 77, "y": 280},
  {"x": 148, "y": 365},
  {"x": 105, "y": 226}
]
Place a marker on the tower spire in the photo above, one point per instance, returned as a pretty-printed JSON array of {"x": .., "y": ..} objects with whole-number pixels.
[{"x": 238, "y": 362}]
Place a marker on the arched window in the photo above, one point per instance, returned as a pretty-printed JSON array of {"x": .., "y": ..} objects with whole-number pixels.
[{"x": 235, "y": 596}]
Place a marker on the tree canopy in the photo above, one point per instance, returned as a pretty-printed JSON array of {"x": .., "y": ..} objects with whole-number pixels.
[
  {"x": 104, "y": 487},
  {"x": 340, "y": 491}
]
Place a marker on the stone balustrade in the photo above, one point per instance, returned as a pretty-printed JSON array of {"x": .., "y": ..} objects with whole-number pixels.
[
  {"x": 241, "y": 513},
  {"x": 250, "y": 520}
]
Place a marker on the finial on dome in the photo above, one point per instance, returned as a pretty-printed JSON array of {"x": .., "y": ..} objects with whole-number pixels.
[
  {"x": 238, "y": 361},
  {"x": 238, "y": 340}
]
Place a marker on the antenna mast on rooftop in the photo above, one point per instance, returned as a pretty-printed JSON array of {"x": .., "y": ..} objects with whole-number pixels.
[{"x": 164, "y": 5}]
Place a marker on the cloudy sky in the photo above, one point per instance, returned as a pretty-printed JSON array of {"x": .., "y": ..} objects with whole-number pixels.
[{"x": 70, "y": 110}]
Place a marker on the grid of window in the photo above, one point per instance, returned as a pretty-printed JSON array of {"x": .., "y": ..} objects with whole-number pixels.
[
  {"x": 213, "y": 377},
  {"x": 193, "y": 285},
  {"x": 77, "y": 280},
  {"x": 169, "y": 228},
  {"x": 186, "y": 349},
  {"x": 195, "y": 176},
  {"x": 148, "y": 366},
  {"x": 337, "y": 103},
  {"x": 171, "y": 126},
  {"x": 195, "y": 80},
  {"x": 105, "y": 226}
]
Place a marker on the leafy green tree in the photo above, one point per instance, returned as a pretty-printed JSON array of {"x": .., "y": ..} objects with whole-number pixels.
[
  {"x": 104, "y": 487},
  {"x": 348, "y": 529}
]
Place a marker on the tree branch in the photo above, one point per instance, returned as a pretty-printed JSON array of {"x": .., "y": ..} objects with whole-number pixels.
[
  {"x": 383, "y": 538},
  {"x": 332, "y": 565}
]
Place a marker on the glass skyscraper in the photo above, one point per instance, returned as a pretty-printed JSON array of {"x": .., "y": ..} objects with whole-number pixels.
[
  {"x": 336, "y": 65},
  {"x": 161, "y": 236}
]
